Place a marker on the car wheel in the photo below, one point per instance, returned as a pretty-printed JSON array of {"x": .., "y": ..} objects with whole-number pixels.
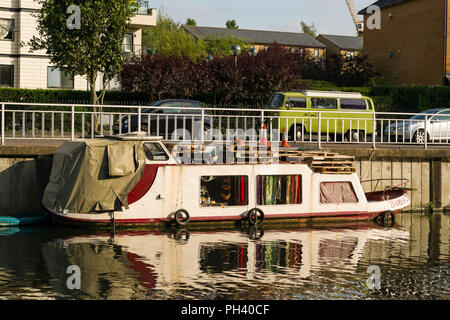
[
  {"x": 296, "y": 133},
  {"x": 419, "y": 136}
]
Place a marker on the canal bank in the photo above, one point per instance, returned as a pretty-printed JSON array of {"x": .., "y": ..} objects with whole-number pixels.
[{"x": 25, "y": 170}]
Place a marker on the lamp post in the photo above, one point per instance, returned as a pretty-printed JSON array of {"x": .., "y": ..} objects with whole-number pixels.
[
  {"x": 253, "y": 52},
  {"x": 235, "y": 50},
  {"x": 209, "y": 58}
]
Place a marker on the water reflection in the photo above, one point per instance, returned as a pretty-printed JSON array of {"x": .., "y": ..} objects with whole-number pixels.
[{"x": 281, "y": 263}]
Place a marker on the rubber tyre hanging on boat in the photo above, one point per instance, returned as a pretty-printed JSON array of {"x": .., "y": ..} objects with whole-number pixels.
[
  {"x": 252, "y": 216},
  {"x": 181, "y": 217},
  {"x": 387, "y": 219}
]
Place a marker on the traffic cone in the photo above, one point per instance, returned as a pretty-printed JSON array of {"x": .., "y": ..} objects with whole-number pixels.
[
  {"x": 264, "y": 137},
  {"x": 284, "y": 143}
]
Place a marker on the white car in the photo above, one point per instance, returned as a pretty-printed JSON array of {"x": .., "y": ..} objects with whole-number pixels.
[{"x": 413, "y": 129}]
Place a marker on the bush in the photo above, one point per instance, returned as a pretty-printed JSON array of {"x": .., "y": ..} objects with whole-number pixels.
[{"x": 413, "y": 98}]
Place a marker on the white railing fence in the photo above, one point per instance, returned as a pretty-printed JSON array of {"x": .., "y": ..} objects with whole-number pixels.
[{"x": 78, "y": 121}]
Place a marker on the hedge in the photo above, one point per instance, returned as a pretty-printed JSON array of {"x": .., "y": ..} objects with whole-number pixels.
[{"x": 70, "y": 96}]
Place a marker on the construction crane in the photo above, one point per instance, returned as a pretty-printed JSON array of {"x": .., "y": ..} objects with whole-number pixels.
[{"x": 359, "y": 24}]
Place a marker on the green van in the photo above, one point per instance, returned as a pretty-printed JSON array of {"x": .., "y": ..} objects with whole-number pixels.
[{"x": 343, "y": 114}]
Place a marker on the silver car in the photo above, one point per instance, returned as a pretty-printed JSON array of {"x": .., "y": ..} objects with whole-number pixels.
[{"x": 413, "y": 129}]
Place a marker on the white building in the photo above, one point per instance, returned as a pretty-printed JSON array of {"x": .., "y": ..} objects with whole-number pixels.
[{"x": 21, "y": 69}]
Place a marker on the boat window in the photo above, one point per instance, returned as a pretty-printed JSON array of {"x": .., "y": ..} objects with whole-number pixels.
[
  {"x": 154, "y": 152},
  {"x": 279, "y": 189},
  {"x": 223, "y": 191},
  {"x": 323, "y": 103},
  {"x": 337, "y": 192},
  {"x": 353, "y": 104}
]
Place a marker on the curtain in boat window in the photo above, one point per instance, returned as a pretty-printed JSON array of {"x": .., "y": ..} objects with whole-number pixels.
[
  {"x": 223, "y": 191},
  {"x": 337, "y": 192},
  {"x": 279, "y": 189}
]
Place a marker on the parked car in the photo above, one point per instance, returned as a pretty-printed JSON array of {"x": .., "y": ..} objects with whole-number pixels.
[
  {"x": 347, "y": 113},
  {"x": 165, "y": 116},
  {"x": 413, "y": 129}
]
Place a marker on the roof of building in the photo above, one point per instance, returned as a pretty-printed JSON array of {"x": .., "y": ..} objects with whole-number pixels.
[
  {"x": 384, "y": 4},
  {"x": 345, "y": 42},
  {"x": 293, "y": 39}
]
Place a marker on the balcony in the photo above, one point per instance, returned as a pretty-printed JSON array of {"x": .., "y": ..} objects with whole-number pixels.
[
  {"x": 131, "y": 52},
  {"x": 145, "y": 16}
]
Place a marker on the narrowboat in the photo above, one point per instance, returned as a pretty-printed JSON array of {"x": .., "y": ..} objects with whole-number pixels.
[{"x": 135, "y": 180}]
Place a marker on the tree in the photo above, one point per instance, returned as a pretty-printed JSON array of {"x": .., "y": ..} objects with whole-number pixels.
[
  {"x": 191, "y": 22},
  {"x": 231, "y": 24},
  {"x": 169, "y": 39},
  {"x": 87, "y": 41},
  {"x": 221, "y": 46},
  {"x": 310, "y": 30}
]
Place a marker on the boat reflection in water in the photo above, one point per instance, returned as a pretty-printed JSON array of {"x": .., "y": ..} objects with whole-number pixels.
[{"x": 210, "y": 264}]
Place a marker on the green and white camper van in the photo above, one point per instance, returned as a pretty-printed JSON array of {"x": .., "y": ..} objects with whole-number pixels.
[{"x": 341, "y": 113}]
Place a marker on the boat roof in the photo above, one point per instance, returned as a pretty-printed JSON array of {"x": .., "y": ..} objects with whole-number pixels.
[{"x": 135, "y": 136}]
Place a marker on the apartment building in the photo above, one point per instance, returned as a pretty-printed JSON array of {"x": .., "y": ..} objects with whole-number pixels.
[
  {"x": 412, "y": 45},
  {"x": 346, "y": 47},
  {"x": 21, "y": 69}
]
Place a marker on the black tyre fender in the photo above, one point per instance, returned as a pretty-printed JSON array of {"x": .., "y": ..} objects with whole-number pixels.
[
  {"x": 252, "y": 216},
  {"x": 387, "y": 219},
  {"x": 181, "y": 217}
]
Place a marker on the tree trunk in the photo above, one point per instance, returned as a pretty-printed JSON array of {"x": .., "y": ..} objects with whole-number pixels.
[{"x": 94, "y": 102}]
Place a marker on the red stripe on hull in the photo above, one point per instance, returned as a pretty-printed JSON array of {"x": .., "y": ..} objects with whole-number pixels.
[
  {"x": 150, "y": 221},
  {"x": 145, "y": 183}
]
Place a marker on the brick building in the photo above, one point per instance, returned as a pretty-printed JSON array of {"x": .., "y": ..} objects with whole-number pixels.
[
  {"x": 347, "y": 47},
  {"x": 412, "y": 45},
  {"x": 261, "y": 39}
]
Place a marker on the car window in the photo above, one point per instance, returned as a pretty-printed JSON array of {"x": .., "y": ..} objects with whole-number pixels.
[
  {"x": 276, "y": 101},
  {"x": 443, "y": 116},
  {"x": 353, "y": 104},
  {"x": 296, "y": 102},
  {"x": 324, "y": 103}
]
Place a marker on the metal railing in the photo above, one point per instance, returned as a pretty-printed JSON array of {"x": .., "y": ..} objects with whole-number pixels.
[{"x": 80, "y": 121}]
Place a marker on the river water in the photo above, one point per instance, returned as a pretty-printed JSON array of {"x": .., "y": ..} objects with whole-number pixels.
[{"x": 338, "y": 261}]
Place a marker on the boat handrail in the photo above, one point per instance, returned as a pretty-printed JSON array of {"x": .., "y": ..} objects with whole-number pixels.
[{"x": 398, "y": 186}]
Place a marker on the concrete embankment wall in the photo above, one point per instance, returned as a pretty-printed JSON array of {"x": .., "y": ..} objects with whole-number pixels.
[{"x": 24, "y": 173}]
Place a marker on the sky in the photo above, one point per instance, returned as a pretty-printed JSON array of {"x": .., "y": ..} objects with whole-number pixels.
[{"x": 328, "y": 16}]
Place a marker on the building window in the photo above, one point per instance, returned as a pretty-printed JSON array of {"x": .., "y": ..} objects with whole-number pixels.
[
  {"x": 6, "y": 76},
  {"x": 276, "y": 190},
  {"x": 57, "y": 79},
  {"x": 128, "y": 42},
  {"x": 6, "y": 29},
  {"x": 223, "y": 191}
]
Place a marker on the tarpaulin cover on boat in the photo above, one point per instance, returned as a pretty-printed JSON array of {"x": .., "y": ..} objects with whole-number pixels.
[{"x": 91, "y": 176}]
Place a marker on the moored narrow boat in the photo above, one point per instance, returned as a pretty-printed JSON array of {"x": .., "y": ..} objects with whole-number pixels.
[{"x": 135, "y": 180}]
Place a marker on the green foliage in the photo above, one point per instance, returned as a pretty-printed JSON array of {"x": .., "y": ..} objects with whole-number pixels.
[
  {"x": 310, "y": 30},
  {"x": 69, "y": 96},
  {"x": 221, "y": 46},
  {"x": 95, "y": 47},
  {"x": 231, "y": 24},
  {"x": 169, "y": 39},
  {"x": 191, "y": 22}
]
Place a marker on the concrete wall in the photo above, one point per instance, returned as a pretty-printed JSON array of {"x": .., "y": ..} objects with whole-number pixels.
[{"x": 22, "y": 183}]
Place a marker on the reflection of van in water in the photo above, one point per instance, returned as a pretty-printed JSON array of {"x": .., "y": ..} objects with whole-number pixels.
[{"x": 347, "y": 113}]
